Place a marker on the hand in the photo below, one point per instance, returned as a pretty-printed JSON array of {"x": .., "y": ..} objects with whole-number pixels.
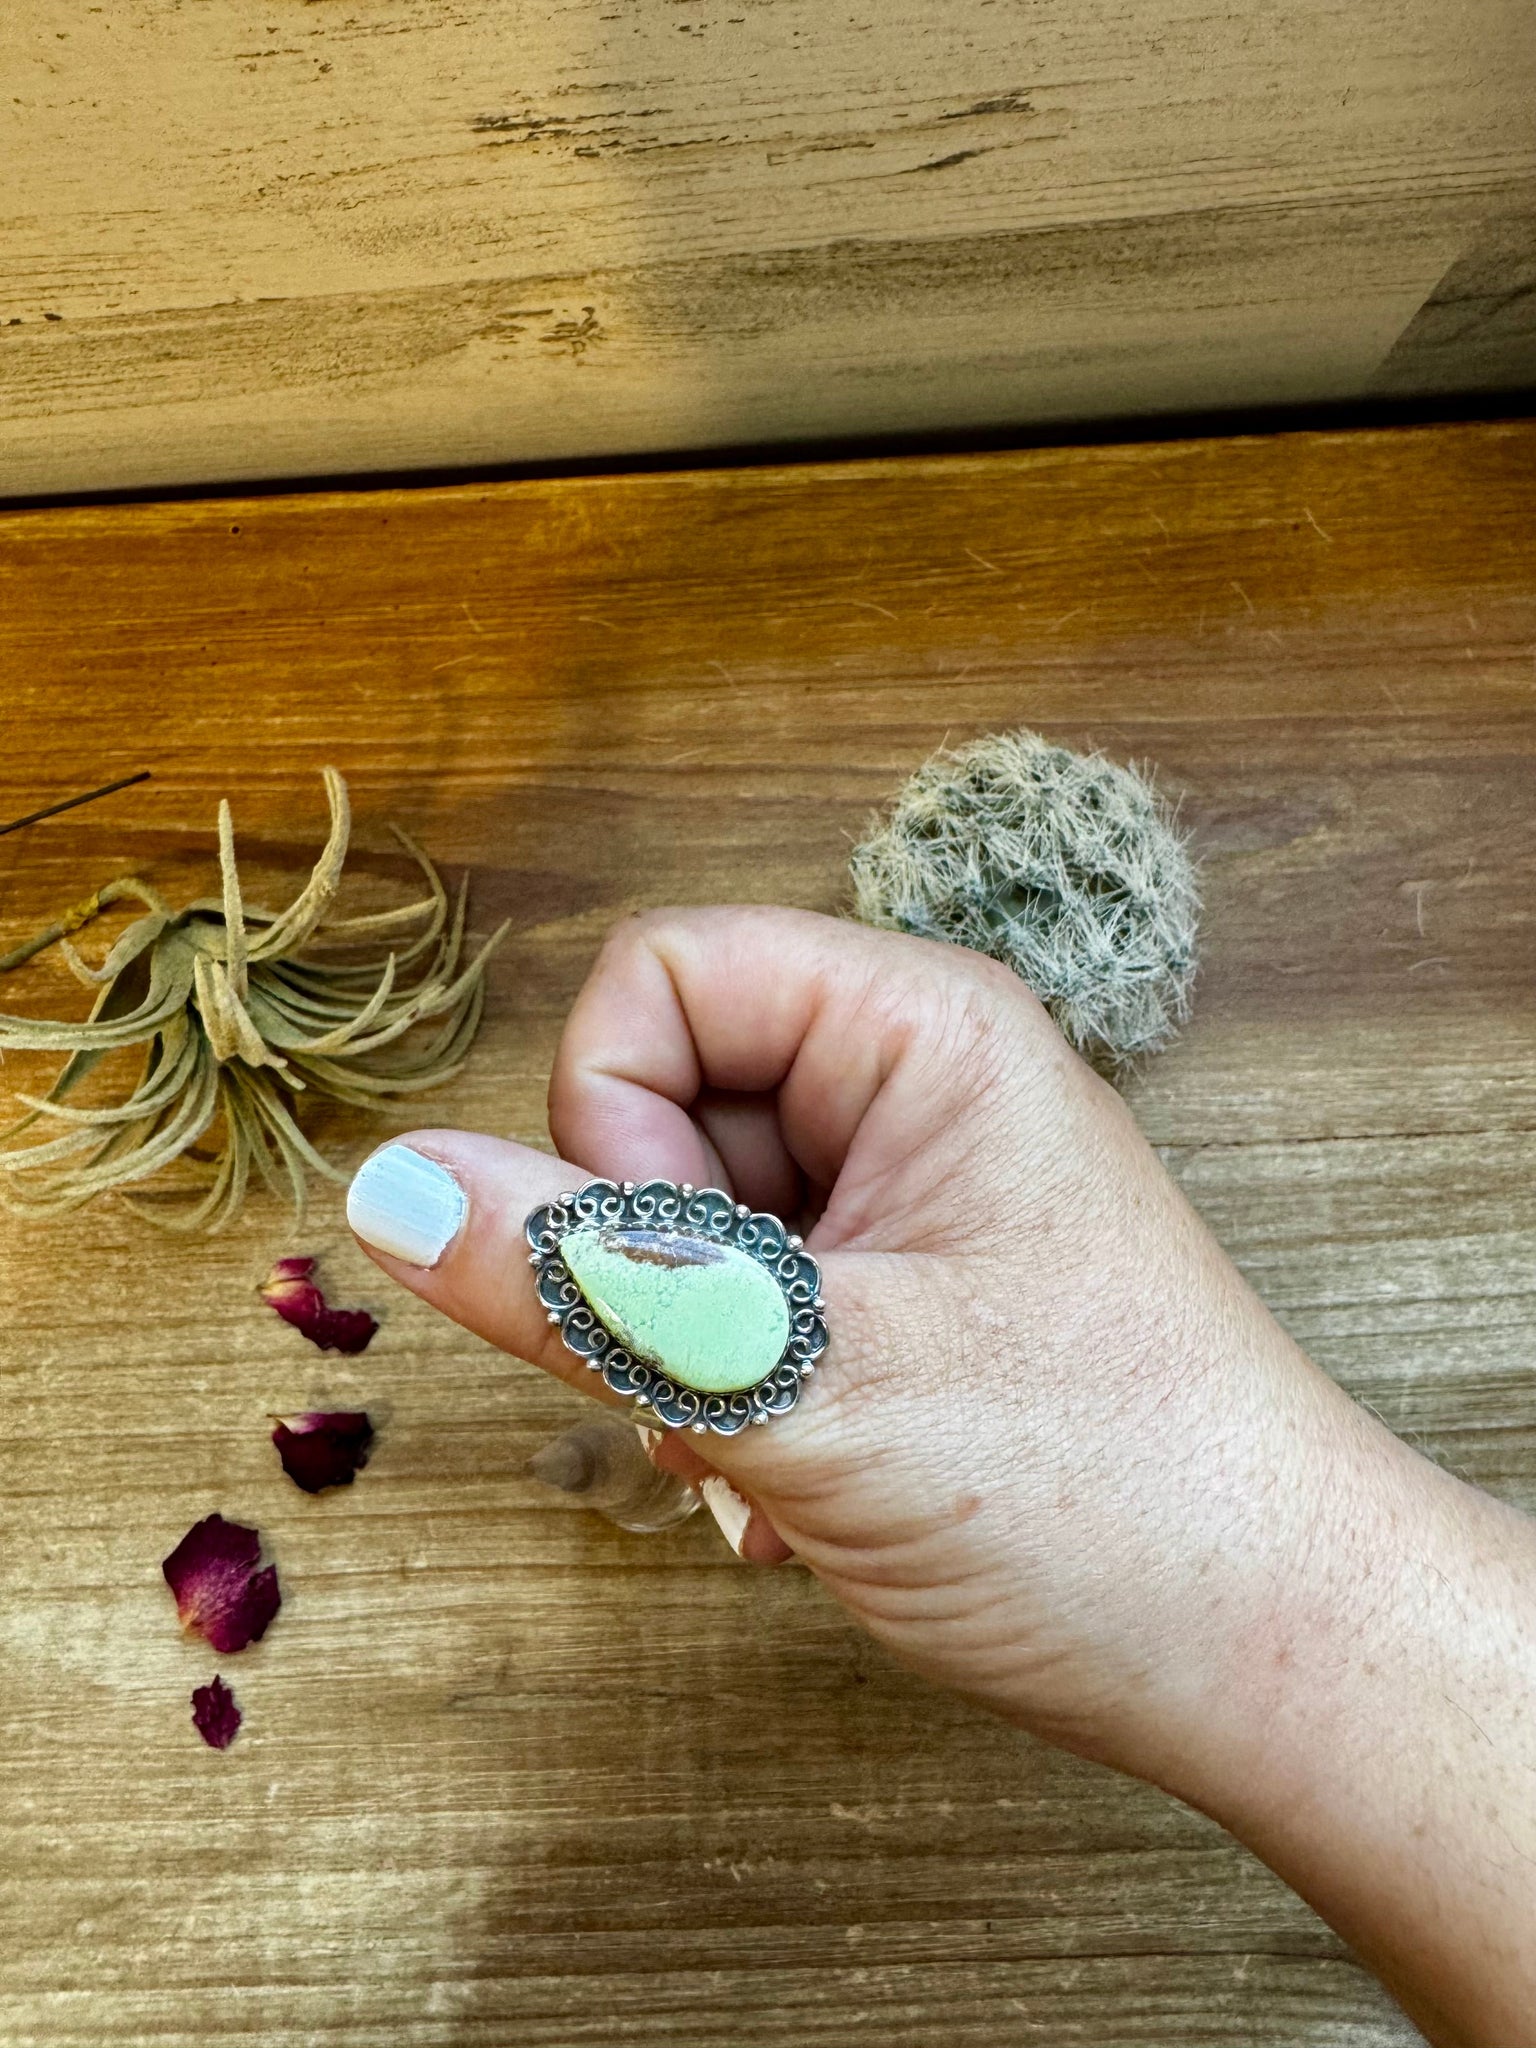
[{"x": 1058, "y": 1455}]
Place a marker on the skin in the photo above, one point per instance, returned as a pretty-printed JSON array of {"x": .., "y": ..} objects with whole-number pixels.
[{"x": 1059, "y": 1456}]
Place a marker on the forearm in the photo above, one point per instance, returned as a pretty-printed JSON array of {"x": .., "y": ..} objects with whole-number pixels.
[{"x": 1379, "y": 1749}]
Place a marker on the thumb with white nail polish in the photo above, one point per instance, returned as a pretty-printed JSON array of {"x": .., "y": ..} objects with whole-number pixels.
[{"x": 406, "y": 1205}]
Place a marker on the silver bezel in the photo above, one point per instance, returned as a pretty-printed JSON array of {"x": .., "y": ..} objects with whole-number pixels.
[{"x": 683, "y": 1211}]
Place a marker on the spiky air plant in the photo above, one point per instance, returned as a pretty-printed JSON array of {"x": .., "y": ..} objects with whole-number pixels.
[
  {"x": 239, "y": 1011},
  {"x": 1068, "y": 868}
]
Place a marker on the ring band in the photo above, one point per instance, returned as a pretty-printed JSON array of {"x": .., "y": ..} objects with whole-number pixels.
[{"x": 705, "y": 1311}]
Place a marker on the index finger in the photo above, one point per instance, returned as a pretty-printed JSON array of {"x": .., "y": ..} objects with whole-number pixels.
[{"x": 747, "y": 999}]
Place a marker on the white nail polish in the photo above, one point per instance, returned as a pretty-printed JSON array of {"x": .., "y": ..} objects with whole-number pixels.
[
  {"x": 405, "y": 1204},
  {"x": 728, "y": 1508}
]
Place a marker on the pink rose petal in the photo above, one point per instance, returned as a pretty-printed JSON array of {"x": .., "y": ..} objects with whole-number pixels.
[
  {"x": 291, "y": 1289},
  {"x": 218, "y": 1588},
  {"x": 215, "y": 1715},
  {"x": 323, "y": 1450}
]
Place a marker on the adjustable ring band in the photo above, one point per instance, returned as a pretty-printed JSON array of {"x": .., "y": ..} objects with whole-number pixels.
[{"x": 703, "y": 1310}]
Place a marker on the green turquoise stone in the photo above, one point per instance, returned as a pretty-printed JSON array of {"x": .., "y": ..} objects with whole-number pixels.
[{"x": 710, "y": 1315}]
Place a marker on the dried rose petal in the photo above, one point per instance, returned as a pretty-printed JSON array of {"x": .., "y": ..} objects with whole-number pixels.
[
  {"x": 291, "y": 1290},
  {"x": 219, "y": 1591},
  {"x": 322, "y": 1450},
  {"x": 215, "y": 1715}
]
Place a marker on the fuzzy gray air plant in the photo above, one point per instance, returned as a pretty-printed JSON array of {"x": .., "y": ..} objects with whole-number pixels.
[
  {"x": 1064, "y": 866},
  {"x": 238, "y": 1015}
]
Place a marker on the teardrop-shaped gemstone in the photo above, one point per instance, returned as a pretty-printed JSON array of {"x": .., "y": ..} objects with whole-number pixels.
[{"x": 709, "y": 1314}]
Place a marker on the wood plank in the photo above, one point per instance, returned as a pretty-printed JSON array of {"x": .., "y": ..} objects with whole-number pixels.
[
  {"x": 482, "y": 1794},
  {"x": 341, "y": 240},
  {"x": 1273, "y": 2005}
]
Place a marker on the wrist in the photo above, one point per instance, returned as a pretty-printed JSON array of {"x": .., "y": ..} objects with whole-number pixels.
[{"x": 1370, "y": 1734}]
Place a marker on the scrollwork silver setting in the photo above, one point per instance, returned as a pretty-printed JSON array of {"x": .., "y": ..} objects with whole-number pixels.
[{"x": 684, "y": 1211}]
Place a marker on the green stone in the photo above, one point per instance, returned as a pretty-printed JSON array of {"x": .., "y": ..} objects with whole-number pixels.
[{"x": 710, "y": 1315}]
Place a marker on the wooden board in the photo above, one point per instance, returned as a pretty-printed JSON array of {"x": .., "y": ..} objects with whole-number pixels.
[
  {"x": 481, "y": 1796},
  {"x": 255, "y": 238}
]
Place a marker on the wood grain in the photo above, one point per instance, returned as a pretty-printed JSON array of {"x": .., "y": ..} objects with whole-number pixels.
[
  {"x": 482, "y": 1795},
  {"x": 254, "y": 238}
]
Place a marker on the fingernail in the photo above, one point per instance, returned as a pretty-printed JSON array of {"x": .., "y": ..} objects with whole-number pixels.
[
  {"x": 405, "y": 1204},
  {"x": 728, "y": 1508}
]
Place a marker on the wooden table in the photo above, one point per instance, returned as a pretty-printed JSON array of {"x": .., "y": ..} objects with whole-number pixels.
[{"x": 482, "y": 1796}]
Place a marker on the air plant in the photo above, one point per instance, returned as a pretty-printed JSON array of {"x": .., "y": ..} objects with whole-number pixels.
[
  {"x": 1066, "y": 867},
  {"x": 238, "y": 1016}
]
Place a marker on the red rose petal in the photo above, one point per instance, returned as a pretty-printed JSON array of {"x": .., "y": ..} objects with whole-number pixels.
[
  {"x": 323, "y": 1450},
  {"x": 215, "y": 1715},
  {"x": 218, "y": 1589},
  {"x": 290, "y": 1288}
]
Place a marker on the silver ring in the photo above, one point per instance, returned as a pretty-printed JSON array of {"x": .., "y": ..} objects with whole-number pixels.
[{"x": 664, "y": 1295}]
